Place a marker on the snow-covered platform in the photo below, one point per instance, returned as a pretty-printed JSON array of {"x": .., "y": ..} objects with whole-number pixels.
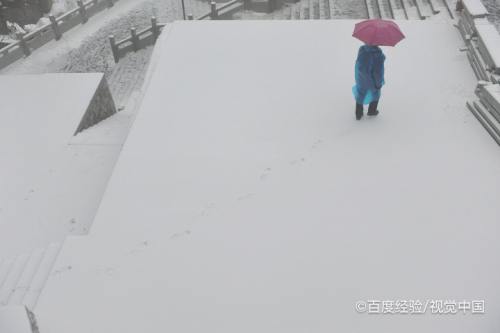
[
  {"x": 247, "y": 198},
  {"x": 49, "y": 187}
]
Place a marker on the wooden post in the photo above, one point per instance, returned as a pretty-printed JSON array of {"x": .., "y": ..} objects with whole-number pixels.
[
  {"x": 110, "y": 3},
  {"x": 55, "y": 27},
  {"x": 214, "y": 15},
  {"x": 190, "y": 17},
  {"x": 114, "y": 48},
  {"x": 135, "y": 39},
  {"x": 154, "y": 28},
  {"x": 83, "y": 11},
  {"x": 24, "y": 45}
]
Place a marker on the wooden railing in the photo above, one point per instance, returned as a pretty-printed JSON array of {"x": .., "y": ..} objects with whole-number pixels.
[
  {"x": 146, "y": 37},
  {"x": 54, "y": 30}
]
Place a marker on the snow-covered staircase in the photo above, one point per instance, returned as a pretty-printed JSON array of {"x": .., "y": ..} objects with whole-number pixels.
[
  {"x": 310, "y": 10},
  {"x": 409, "y": 9},
  {"x": 22, "y": 278},
  {"x": 385, "y": 9}
]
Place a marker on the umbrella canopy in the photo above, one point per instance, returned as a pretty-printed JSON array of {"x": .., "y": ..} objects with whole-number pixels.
[{"x": 378, "y": 32}]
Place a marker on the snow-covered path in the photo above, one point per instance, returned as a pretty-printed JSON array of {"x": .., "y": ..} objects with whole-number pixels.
[{"x": 247, "y": 198}]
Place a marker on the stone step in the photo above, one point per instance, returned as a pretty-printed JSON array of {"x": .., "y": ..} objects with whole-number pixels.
[
  {"x": 26, "y": 278},
  {"x": 10, "y": 283},
  {"x": 410, "y": 9},
  {"x": 397, "y": 10},
  {"x": 41, "y": 276},
  {"x": 296, "y": 11},
  {"x": 371, "y": 9},
  {"x": 450, "y": 7},
  {"x": 323, "y": 10},
  {"x": 4, "y": 270},
  {"x": 316, "y": 9},
  {"x": 331, "y": 8},
  {"x": 304, "y": 10},
  {"x": 423, "y": 8},
  {"x": 23, "y": 278},
  {"x": 485, "y": 119},
  {"x": 385, "y": 10},
  {"x": 436, "y": 6}
]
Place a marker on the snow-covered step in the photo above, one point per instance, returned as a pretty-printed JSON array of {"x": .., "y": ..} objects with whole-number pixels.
[
  {"x": 436, "y": 6},
  {"x": 450, "y": 7},
  {"x": 331, "y": 8},
  {"x": 423, "y": 8},
  {"x": 41, "y": 276},
  {"x": 316, "y": 9},
  {"x": 311, "y": 9},
  {"x": 17, "y": 319},
  {"x": 24, "y": 282},
  {"x": 296, "y": 12},
  {"x": 12, "y": 278},
  {"x": 286, "y": 13},
  {"x": 385, "y": 10},
  {"x": 397, "y": 10},
  {"x": 371, "y": 8},
  {"x": 304, "y": 10},
  {"x": 485, "y": 119},
  {"x": 323, "y": 10},
  {"x": 411, "y": 9},
  {"x": 4, "y": 270}
]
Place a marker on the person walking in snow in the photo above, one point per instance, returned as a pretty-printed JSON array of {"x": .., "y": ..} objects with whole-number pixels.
[
  {"x": 369, "y": 69},
  {"x": 369, "y": 75}
]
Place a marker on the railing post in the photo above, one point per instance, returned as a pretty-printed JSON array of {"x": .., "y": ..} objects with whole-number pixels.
[
  {"x": 183, "y": 10},
  {"x": 24, "y": 45},
  {"x": 135, "y": 39},
  {"x": 55, "y": 27},
  {"x": 154, "y": 28},
  {"x": 114, "y": 48},
  {"x": 110, "y": 3},
  {"x": 190, "y": 17},
  {"x": 83, "y": 11},
  {"x": 214, "y": 15},
  {"x": 246, "y": 4}
]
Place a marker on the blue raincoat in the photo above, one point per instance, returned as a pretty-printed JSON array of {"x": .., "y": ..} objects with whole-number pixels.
[{"x": 369, "y": 74}]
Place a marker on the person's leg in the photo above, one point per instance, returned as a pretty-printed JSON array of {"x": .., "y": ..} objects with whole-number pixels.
[
  {"x": 359, "y": 111},
  {"x": 372, "y": 109}
]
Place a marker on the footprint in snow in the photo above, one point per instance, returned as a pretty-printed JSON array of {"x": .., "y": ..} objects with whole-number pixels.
[
  {"x": 265, "y": 174},
  {"x": 181, "y": 234},
  {"x": 299, "y": 161}
]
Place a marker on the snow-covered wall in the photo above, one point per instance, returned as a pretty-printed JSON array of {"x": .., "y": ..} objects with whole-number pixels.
[{"x": 101, "y": 107}]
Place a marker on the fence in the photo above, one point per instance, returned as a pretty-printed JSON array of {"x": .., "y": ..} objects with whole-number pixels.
[
  {"x": 53, "y": 30},
  {"x": 146, "y": 37}
]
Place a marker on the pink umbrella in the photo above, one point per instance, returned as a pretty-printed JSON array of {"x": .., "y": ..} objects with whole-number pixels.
[{"x": 378, "y": 32}]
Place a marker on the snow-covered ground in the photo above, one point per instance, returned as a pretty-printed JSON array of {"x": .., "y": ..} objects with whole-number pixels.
[
  {"x": 247, "y": 198},
  {"x": 51, "y": 181}
]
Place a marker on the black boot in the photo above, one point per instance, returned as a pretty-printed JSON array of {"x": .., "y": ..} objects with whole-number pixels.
[
  {"x": 372, "y": 109},
  {"x": 359, "y": 111}
]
